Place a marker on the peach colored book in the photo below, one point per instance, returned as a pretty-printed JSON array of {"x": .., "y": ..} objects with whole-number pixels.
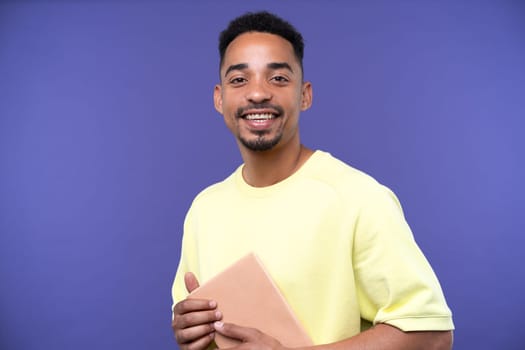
[{"x": 246, "y": 295}]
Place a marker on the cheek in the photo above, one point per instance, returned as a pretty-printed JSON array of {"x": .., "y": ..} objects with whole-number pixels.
[
  {"x": 298, "y": 99},
  {"x": 229, "y": 120},
  {"x": 229, "y": 104}
]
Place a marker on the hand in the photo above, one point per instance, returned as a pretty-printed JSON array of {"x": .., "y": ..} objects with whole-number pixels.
[
  {"x": 193, "y": 319},
  {"x": 252, "y": 339}
]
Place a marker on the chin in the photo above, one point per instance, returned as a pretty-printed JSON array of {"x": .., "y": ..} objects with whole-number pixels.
[{"x": 260, "y": 145}]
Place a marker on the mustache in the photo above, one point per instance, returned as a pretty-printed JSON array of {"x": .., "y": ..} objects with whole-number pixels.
[{"x": 264, "y": 105}]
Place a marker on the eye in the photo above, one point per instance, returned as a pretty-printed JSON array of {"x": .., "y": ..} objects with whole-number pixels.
[
  {"x": 280, "y": 79},
  {"x": 237, "y": 81}
]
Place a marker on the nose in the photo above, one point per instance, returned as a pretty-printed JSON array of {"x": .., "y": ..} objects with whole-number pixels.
[{"x": 258, "y": 91}]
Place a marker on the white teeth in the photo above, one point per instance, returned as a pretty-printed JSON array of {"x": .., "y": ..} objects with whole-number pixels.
[{"x": 258, "y": 116}]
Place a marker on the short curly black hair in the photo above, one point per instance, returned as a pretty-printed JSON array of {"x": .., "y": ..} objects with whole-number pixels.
[{"x": 264, "y": 22}]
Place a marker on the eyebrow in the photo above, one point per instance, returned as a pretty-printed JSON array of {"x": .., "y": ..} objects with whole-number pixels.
[
  {"x": 280, "y": 65},
  {"x": 273, "y": 65},
  {"x": 240, "y": 66}
]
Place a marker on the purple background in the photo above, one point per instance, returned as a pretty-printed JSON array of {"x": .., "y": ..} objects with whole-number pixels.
[{"x": 107, "y": 131}]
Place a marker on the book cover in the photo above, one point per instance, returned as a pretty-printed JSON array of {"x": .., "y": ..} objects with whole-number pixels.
[{"x": 247, "y": 296}]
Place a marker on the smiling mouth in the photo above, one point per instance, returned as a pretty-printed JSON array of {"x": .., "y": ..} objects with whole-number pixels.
[
  {"x": 259, "y": 116},
  {"x": 259, "y": 112}
]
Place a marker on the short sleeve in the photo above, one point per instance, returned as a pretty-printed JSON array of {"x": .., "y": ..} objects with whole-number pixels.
[{"x": 395, "y": 282}]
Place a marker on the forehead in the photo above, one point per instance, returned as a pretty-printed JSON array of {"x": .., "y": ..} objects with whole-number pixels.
[{"x": 255, "y": 46}]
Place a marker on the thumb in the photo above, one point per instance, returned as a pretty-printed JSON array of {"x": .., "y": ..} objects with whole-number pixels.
[{"x": 190, "y": 281}]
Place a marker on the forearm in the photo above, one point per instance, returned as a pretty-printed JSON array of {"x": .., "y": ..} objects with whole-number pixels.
[
  {"x": 379, "y": 337},
  {"x": 383, "y": 336}
]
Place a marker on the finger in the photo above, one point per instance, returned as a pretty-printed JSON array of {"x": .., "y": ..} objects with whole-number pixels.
[
  {"x": 191, "y": 334},
  {"x": 245, "y": 334},
  {"x": 196, "y": 318},
  {"x": 199, "y": 344},
  {"x": 190, "y": 281},
  {"x": 193, "y": 305}
]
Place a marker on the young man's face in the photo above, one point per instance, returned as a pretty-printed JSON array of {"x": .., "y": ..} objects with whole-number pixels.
[{"x": 261, "y": 92}]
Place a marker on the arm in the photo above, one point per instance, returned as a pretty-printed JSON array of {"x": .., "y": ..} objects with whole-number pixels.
[
  {"x": 193, "y": 319},
  {"x": 379, "y": 337},
  {"x": 384, "y": 336}
]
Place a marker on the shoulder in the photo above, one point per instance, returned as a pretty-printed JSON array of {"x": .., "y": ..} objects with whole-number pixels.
[
  {"x": 346, "y": 179},
  {"x": 217, "y": 190}
]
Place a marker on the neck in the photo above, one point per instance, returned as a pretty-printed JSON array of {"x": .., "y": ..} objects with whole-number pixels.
[{"x": 270, "y": 167}]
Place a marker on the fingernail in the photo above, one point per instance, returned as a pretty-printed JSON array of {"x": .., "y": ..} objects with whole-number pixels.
[
  {"x": 218, "y": 324},
  {"x": 213, "y": 303},
  {"x": 218, "y": 315}
]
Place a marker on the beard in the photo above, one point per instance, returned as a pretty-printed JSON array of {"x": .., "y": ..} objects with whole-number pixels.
[{"x": 261, "y": 143}]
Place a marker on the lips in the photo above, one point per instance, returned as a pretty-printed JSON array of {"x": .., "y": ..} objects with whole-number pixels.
[
  {"x": 259, "y": 121},
  {"x": 259, "y": 111},
  {"x": 259, "y": 116}
]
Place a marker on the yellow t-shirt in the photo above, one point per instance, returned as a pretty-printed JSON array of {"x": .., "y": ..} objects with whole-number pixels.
[{"x": 334, "y": 241}]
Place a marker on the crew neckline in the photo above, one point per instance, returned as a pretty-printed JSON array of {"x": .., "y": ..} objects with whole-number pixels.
[{"x": 262, "y": 191}]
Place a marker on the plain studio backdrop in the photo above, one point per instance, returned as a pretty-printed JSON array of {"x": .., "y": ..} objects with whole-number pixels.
[{"x": 107, "y": 132}]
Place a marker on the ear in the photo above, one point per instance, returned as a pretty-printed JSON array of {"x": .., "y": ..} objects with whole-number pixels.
[
  {"x": 306, "y": 98},
  {"x": 217, "y": 98}
]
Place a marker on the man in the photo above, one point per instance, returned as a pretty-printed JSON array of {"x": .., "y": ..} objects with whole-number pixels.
[{"x": 333, "y": 239}]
